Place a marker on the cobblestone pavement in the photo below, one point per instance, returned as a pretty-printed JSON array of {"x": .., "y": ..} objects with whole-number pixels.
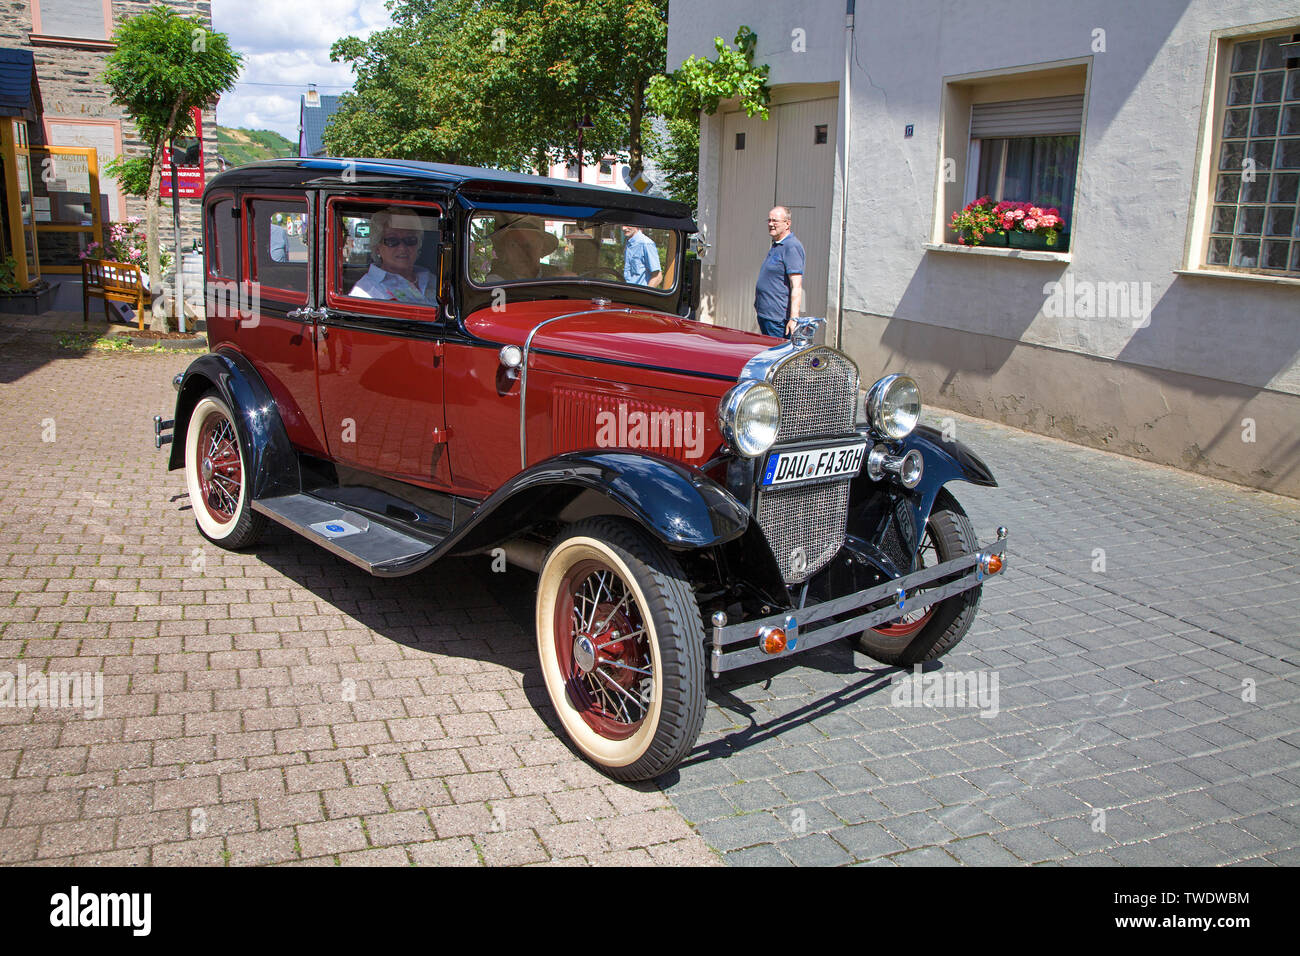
[
  {"x": 226, "y": 733},
  {"x": 1145, "y": 638},
  {"x": 1154, "y": 679}
]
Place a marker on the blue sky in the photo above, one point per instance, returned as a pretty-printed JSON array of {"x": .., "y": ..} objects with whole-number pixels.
[{"x": 286, "y": 45}]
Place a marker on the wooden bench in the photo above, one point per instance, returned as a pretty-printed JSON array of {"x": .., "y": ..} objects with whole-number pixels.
[{"x": 112, "y": 282}]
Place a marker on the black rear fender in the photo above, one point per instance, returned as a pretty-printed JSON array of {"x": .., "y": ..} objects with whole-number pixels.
[{"x": 268, "y": 457}]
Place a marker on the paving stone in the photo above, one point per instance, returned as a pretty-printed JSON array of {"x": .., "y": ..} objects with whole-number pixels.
[{"x": 226, "y": 735}]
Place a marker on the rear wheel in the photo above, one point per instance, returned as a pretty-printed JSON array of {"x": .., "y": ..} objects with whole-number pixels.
[
  {"x": 621, "y": 648},
  {"x": 929, "y": 632},
  {"x": 217, "y": 477}
]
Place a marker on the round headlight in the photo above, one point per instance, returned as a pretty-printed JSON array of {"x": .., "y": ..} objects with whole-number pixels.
[
  {"x": 894, "y": 406},
  {"x": 749, "y": 416}
]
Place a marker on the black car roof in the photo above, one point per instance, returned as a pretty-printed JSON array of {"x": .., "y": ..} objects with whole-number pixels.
[{"x": 302, "y": 172}]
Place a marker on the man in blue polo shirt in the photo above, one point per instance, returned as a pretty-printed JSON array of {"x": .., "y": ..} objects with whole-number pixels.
[
  {"x": 779, "y": 293},
  {"x": 640, "y": 259}
]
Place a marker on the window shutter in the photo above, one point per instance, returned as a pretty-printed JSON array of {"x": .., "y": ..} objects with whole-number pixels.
[{"x": 1049, "y": 116}]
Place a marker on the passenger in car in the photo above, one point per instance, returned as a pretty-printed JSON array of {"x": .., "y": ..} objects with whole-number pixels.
[
  {"x": 518, "y": 248},
  {"x": 395, "y": 239}
]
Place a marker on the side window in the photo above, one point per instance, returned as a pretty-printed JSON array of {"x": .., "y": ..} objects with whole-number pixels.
[
  {"x": 510, "y": 247},
  {"x": 277, "y": 231},
  {"x": 223, "y": 240},
  {"x": 384, "y": 253}
]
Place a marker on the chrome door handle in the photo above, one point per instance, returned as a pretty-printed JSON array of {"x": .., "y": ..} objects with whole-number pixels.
[{"x": 302, "y": 314}]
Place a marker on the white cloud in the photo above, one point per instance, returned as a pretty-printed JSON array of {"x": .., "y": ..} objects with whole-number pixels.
[{"x": 286, "y": 45}]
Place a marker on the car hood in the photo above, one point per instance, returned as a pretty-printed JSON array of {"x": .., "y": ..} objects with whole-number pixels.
[{"x": 636, "y": 336}]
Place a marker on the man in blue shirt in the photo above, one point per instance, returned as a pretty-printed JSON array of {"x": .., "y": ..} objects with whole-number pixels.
[
  {"x": 779, "y": 293},
  {"x": 640, "y": 259}
]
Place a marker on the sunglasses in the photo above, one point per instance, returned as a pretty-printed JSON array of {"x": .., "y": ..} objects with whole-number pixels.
[{"x": 392, "y": 242}]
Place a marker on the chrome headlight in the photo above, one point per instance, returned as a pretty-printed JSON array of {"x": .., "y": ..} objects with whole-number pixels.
[
  {"x": 894, "y": 406},
  {"x": 748, "y": 418}
]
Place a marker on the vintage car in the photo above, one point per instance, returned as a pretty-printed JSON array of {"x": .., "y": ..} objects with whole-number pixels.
[{"x": 411, "y": 362}]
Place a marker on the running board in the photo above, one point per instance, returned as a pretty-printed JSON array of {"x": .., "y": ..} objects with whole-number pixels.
[{"x": 376, "y": 547}]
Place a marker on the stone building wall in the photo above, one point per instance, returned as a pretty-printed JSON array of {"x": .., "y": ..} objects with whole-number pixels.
[{"x": 72, "y": 88}]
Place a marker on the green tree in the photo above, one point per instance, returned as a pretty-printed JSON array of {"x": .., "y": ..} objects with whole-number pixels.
[
  {"x": 504, "y": 82},
  {"x": 164, "y": 66},
  {"x": 501, "y": 82},
  {"x": 698, "y": 86}
]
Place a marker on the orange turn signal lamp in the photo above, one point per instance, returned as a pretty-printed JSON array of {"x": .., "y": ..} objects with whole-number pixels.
[
  {"x": 775, "y": 638},
  {"x": 988, "y": 564}
]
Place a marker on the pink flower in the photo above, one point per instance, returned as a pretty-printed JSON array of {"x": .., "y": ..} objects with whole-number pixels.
[{"x": 1031, "y": 225}]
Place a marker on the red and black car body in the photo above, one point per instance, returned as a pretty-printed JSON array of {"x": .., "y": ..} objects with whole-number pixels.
[{"x": 493, "y": 419}]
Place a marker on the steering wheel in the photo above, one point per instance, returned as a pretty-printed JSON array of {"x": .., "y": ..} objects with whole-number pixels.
[{"x": 603, "y": 272}]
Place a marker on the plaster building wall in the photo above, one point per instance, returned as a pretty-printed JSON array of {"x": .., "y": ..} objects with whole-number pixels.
[{"x": 1215, "y": 362}]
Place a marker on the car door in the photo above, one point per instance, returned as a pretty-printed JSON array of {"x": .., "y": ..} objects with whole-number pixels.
[
  {"x": 274, "y": 328},
  {"x": 379, "y": 349}
]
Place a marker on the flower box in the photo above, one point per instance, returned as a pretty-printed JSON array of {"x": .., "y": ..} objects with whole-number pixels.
[
  {"x": 33, "y": 301},
  {"x": 1038, "y": 241}
]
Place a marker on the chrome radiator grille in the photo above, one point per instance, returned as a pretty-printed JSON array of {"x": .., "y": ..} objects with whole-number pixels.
[
  {"x": 804, "y": 526},
  {"x": 818, "y": 388}
]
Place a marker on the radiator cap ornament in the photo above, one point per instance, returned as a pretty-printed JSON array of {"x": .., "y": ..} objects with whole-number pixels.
[{"x": 805, "y": 331}]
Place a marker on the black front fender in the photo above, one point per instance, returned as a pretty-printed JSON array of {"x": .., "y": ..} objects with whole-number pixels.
[
  {"x": 268, "y": 456},
  {"x": 681, "y": 507},
  {"x": 889, "y": 518}
]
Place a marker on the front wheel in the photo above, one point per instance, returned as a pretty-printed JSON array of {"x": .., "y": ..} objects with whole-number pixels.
[
  {"x": 621, "y": 648},
  {"x": 929, "y": 632},
  {"x": 217, "y": 476}
]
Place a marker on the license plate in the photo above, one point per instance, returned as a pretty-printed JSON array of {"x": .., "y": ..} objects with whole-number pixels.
[{"x": 812, "y": 464}]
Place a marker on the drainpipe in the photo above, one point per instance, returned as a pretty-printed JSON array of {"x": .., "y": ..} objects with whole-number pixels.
[{"x": 844, "y": 172}]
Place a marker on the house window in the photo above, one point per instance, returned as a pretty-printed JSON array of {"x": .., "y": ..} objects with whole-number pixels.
[
  {"x": 73, "y": 19},
  {"x": 1027, "y": 151},
  {"x": 606, "y": 173},
  {"x": 1254, "y": 222}
]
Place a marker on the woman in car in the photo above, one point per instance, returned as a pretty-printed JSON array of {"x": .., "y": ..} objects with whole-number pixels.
[{"x": 395, "y": 240}]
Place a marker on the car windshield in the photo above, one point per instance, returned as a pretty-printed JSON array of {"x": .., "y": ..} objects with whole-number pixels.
[{"x": 507, "y": 248}]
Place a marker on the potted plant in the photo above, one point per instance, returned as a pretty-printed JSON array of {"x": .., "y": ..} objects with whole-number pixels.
[
  {"x": 14, "y": 298},
  {"x": 1031, "y": 227},
  {"x": 976, "y": 225},
  {"x": 125, "y": 242}
]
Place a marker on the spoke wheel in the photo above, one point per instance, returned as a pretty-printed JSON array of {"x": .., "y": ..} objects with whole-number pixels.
[
  {"x": 915, "y": 620},
  {"x": 930, "y": 631},
  {"x": 221, "y": 472},
  {"x": 216, "y": 476},
  {"x": 621, "y": 648},
  {"x": 604, "y": 650}
]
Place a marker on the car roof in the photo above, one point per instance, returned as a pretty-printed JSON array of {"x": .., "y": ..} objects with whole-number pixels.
[{"x": 303, "y": 172}]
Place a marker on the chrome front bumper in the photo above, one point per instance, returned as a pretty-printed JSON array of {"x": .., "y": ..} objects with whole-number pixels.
[{"x": 737, "y": 645}]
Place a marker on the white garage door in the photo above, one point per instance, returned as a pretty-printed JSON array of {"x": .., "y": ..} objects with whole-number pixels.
[{"x": 788, "y": 160}]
